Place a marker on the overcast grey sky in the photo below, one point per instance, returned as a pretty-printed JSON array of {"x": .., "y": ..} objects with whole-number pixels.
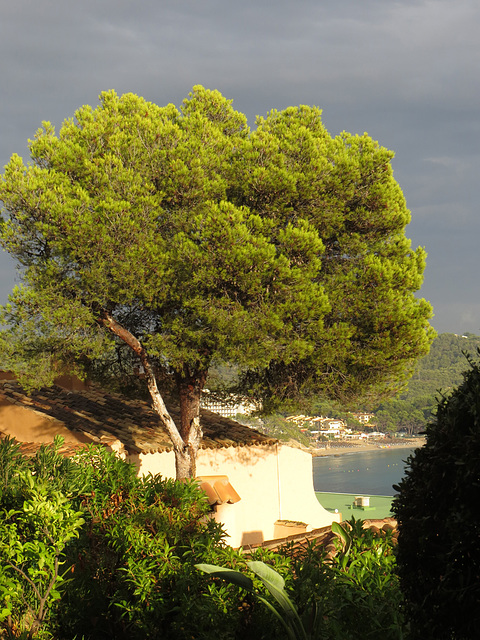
[{"x": 405, "y": 71}]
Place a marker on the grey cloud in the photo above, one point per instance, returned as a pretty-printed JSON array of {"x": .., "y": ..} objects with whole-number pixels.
[{"x": 404, "y": 70}]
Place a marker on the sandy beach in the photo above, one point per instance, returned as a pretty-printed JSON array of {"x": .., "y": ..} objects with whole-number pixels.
[{"x": 357, "y": 446}]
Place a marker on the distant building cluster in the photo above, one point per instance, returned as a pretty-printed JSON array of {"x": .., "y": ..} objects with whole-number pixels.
[
  {"x": 315, "y": 421},
  {"x": 324, "y": 427},
  {"x": 227, "y": 407},
  {"x": 317, "y": 427},
  {"x": 364, "y": 418}
]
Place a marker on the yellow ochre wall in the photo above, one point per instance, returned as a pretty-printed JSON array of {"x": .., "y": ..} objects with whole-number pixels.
[{"x": 26, "y": 425}]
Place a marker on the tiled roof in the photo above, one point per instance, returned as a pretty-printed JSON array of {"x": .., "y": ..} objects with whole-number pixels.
[
  {"x": 102, "y": 415},
  {"x": 324, "y": 536}
]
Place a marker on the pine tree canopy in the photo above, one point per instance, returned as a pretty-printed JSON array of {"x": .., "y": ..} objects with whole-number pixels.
[{"x": 192, "y": 239}]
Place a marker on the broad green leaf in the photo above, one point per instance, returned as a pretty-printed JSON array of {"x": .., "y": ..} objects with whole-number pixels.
[
  {"x": 266, "y": 573},
  {"x": 234, "y": 577},
  {"x": 275, "y": 585},
  {"x": 343, "y": 534}
]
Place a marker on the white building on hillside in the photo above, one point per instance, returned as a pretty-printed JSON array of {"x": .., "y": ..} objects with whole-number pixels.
[{"x": 227, "y": 408}]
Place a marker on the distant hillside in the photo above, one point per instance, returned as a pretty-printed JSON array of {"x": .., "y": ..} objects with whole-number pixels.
[
  {"x": 275, "y": 426},
  {"x": 442, "y": 368},
  {"x": 436, "y": 374}
]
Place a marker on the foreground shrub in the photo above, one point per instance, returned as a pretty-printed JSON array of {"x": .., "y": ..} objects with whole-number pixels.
[
  {"x": 439, "y": 520},
  {"x": 133, "y": 566},
  {"x": 107, "y": 555},
  {"x": 87, "y": 549},
  {"x": 37, "y": 522},
  {"x": 346, "y": 590},
  {"x": 349, "y": 589}
]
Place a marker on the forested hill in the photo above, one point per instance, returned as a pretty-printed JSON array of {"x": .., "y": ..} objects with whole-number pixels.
[
  {"x": 437, "y": 373},
  {"x": 447, "y": 351}
]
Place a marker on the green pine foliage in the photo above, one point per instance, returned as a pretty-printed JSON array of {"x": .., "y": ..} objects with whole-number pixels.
[{"x": 190, "y": 239}]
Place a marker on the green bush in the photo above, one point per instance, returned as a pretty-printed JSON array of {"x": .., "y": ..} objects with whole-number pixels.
[
  {"x": 352, "y": 592},
  {"x": 89, "y": 550},
  {"x": 346, "y": 590},
  {"x": 133, "y": 565},
  {"x": 437, "y": 508},
  {"x": 37, "y": 523}
]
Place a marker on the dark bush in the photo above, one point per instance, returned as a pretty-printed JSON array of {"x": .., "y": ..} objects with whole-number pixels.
[{"x": 437, "y": 509}]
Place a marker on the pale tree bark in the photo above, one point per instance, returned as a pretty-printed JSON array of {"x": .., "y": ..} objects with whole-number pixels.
[{"x": 187, "y": 436}]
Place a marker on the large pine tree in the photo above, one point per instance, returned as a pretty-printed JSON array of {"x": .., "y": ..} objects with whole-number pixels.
[{"x": 191, "y": 239}]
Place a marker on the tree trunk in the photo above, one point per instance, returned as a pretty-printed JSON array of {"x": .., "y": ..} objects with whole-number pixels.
[
  {"x": 187, "y": 436},
  {"x": 189, "y": 390}
]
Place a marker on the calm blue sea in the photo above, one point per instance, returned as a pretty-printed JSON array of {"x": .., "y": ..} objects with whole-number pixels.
[{"x": 369, "y": 472}]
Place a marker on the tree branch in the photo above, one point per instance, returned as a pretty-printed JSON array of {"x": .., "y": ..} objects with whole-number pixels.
[{"x": 107, "y": 321}]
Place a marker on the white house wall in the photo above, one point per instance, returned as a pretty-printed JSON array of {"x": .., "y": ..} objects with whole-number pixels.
[
  {"x": 298, "y": 500},
  {"x": 274, "y": 482}
]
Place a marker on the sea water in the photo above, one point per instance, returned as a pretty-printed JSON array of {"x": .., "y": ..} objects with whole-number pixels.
[{"x": 367, "y": 473}]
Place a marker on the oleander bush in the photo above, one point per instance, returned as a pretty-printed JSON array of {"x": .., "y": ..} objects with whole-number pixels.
[
  {"x": 89, "y": 550},
  {"x": 439, "y": 520}
]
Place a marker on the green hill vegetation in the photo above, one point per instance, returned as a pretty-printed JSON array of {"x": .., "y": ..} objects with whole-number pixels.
[{"x": 435, "y": 376}]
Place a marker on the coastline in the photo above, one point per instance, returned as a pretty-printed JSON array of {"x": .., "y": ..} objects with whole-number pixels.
[{"x": 358, "y": 446}]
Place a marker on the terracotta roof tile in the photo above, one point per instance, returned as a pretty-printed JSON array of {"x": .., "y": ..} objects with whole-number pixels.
[
  {"x": 324, "y": 535},
  {"x": 218, "y": 489},
  {"x": 99, "y": 413}
]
